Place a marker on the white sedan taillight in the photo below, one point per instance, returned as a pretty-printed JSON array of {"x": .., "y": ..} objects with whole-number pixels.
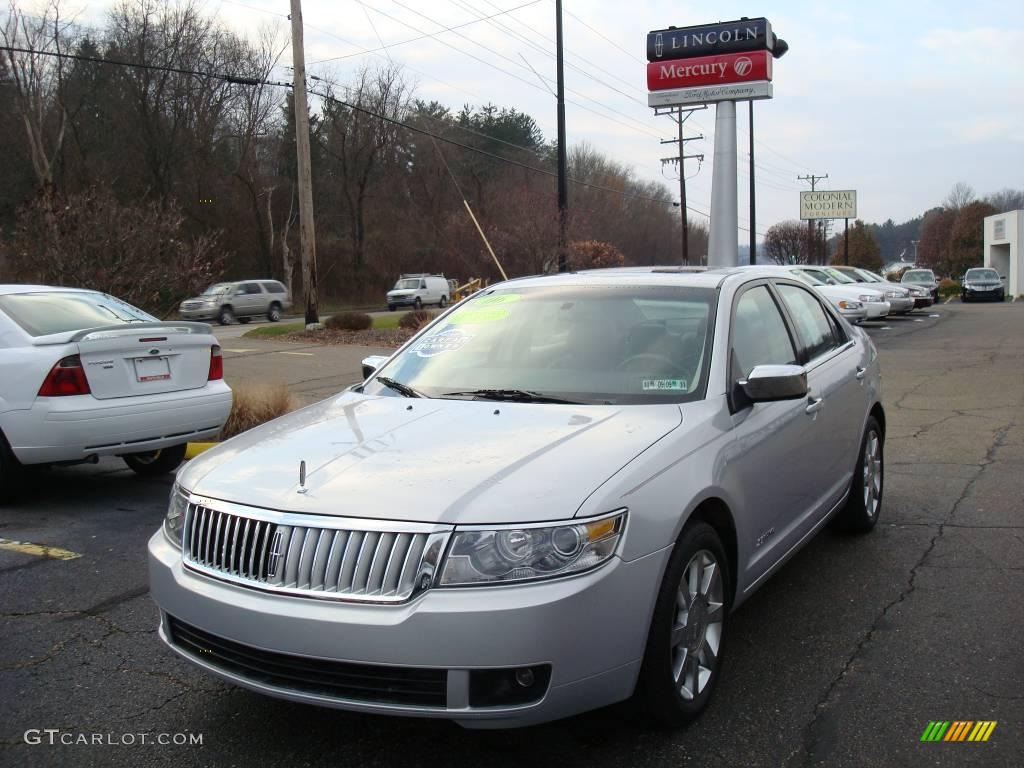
[
  {"x": 67, "y": 377},
  {"x": 216, "y": 364}
]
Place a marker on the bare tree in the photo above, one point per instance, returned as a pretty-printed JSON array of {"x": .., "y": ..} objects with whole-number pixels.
[
  {"x": 960, "y": 195},
  {"x": 786, "y": 243},
  {"x": 38, "y": 78},
  {"x": 1006, "y": 200}
]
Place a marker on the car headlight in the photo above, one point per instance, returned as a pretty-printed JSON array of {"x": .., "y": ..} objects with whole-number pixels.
[
  {"x": 512, "y": 554},
  {"x": 174, "y": 520},
  {"x": 846, "y": 304},
  {"x": 867, "y": 298}
]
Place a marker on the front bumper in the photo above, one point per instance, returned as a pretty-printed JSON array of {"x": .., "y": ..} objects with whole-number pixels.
[
  {"x": 200, "y": 313},
  {"x": 402, "y": 301},
  {"x": 854, "y": 315},
  {"x": 876, "y": 309},
  {"x": 983, "y": 293},
  {"x": 77, "y": 427},
  {"x": 591, "y": 629},
  {"x": 921, "y": 302},
  {"x": 900, "y": 305}
]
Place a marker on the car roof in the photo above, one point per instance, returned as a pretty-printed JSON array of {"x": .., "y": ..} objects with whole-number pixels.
[
  {"x": 11, "y": 288},
  {"x": 698, "y": 277}
]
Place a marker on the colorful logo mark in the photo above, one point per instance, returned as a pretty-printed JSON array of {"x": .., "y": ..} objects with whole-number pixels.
[{"x": 958, "y": 730}]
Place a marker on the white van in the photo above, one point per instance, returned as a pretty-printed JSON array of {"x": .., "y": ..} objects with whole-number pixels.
[{"x": 418, "y": 289}]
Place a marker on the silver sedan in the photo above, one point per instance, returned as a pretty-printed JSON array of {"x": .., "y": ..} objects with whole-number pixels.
[{"x": 550, "y": 499}]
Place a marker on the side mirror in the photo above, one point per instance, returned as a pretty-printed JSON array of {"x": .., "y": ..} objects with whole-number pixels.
[
  {"x": 768, "y": 383},
  {"x": 371, "y": 364},
  {"x": 1002, "y": 277}
]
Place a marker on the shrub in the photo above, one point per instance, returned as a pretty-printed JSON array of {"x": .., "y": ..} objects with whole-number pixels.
[
  {"x": 416, "y": 319},
  {"x": 949, "y": 287},
  {"x": 349, "y": 321},
  {"x": 255, "y": 403}
]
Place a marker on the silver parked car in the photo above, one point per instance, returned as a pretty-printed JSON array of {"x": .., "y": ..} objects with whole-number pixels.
[
  {"x": 550, "y": 499},
  {"x": 244, "y": 299}
]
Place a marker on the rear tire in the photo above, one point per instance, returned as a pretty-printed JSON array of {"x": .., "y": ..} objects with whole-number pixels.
[
  {"x": 274, "y": 314},
  {"x": 11, "y": 472},
  {"x": 153, "y": 463},
  {"x": 391, "y": 307},
  {"x": 443, "y": 302},
  {"x": 865, "y": 501},
  {"x": 226, "y": 316},
  {"x": 683, "y": 659}
]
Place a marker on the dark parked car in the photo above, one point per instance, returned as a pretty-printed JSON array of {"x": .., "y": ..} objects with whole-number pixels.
[
  {"x": 982, "y": 283},
  {"x": 923, "y": 277}
]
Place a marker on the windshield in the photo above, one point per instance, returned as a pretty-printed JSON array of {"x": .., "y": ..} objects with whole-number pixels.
[
  {"x": 407, "y": 284},
  {"x": 809, "y": 278},
  {"x": 838, "y": 276},
  {"x": 43, "y": 313},
  {"x": 217, "y": 288},
  {"x": 868, "y": 277},
  {"x": 585, "y": 344},
  {"x": 918, "y": 276},
  {"x": 981, "y": 274}
]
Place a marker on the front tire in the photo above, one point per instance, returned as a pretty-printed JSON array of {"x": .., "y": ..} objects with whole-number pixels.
[
  {"x": 418, "y": 304},
  {"x": 865, "y": 501},
  {"x": 153, "y": 463},
  {"x": 683, "y": 658}
]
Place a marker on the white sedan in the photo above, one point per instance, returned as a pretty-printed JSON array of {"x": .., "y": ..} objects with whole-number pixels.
[{"x": 84, "y": 375}]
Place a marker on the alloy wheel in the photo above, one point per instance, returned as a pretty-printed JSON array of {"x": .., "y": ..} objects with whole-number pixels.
[
  {"x": 872, "y": 473},
  {"x": 697, "y": 629}
]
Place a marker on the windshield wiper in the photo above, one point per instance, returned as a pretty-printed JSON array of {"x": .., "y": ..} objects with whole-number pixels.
[
  {"x": 512, "y": 395},
  {"x": 403, "y": 389}
]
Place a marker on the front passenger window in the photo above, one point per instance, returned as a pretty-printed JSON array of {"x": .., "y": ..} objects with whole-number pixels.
[{"x": 759, "y": 335}]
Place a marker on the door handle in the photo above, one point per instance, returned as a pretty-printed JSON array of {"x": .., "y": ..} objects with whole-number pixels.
[
  {"x": 814, "y": 404},
  {"x": 861, "y": 373}
]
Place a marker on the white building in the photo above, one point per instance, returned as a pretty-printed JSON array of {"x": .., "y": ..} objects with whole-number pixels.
[{"x": 1004, "y": 248}]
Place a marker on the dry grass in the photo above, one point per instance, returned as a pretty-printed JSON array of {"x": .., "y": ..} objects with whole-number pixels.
[{"x": 254, "y": 404}]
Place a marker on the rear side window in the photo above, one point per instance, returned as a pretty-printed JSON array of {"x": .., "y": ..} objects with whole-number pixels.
[
  {"x": 252, "y": 288},
  {"x": 759, "y": 335},
  {"x": 816, "y": 329},
  {"x": 272, "y": 286},
  {"x": 43, "y": 313}
]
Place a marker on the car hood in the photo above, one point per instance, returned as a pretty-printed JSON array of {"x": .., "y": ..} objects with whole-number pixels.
[
  {"x": 427, "y": 460},
  {"x": 401, "y": 291}
]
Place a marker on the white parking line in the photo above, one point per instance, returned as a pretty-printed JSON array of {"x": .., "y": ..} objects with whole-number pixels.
[
  {"x": 238, "y": 351},
  {"x": 918, "y": 320},
  {"x": 298, "y": 354},
  {"x": 949, "y": 300}
]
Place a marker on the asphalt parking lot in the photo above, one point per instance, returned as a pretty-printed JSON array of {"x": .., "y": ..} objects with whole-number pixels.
[{"x": 842, "y": 659}]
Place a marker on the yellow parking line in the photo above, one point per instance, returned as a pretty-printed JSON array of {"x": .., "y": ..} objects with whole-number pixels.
[
  {"x": 40, "y": 550},
  {"x": 298, "y": 354}
]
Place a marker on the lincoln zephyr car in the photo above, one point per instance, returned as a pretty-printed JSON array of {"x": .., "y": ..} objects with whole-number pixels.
[
  {"x": 84, "y": 375},
  {"x": 549, "y": 500}
]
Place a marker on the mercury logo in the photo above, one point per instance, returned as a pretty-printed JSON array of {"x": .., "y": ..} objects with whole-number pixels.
[{"x": 743, "y": 66}]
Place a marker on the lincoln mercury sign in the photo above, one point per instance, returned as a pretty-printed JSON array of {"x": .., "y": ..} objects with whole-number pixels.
[{"x": 829, "y": 204}]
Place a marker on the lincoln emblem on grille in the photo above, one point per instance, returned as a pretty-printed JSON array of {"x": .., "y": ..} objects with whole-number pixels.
[{"x": 275, "y": 554}]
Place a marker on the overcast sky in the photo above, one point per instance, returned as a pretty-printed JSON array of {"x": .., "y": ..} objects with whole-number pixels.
[{"x": 898, "y": 100}]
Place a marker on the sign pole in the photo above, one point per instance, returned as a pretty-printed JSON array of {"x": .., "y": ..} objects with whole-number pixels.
[
  {"x": 753, "y": 207},
  {"x": 723, "y": 248},
  {"x": 846, "y": 242}
]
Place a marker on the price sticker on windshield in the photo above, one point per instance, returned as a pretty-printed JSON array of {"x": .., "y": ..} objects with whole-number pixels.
[
  {"x": 664, "y": 385},
  {"x": 450, "y": 340}
]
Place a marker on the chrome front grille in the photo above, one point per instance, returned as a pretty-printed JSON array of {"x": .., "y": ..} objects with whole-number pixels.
[{"x": 312, "y": 555}]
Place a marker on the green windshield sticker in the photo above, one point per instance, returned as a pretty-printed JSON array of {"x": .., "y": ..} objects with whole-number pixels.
[
  {"x": 496, "y": 299},
  {"x": 477, "y": 316},
  {"x": 661, "y": 385}
]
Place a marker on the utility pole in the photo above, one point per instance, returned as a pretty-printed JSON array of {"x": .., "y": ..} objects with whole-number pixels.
[
  {"x": 563, "y": 182},
  {"x": 753, "y": 207},
  {"x": 810, "y": 222},
  {"x": 307, "y": 232},
  {"x": 677, "y": 115}
]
